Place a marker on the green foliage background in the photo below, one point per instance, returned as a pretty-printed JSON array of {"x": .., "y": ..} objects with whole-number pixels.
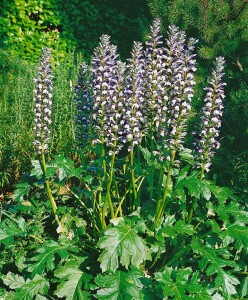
[{"x": 29, "y": 25}]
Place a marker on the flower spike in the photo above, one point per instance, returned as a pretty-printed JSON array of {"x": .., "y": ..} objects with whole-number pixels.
[
  {"x": 211, "y": 118},
  {"x": 43, "y": 102}
]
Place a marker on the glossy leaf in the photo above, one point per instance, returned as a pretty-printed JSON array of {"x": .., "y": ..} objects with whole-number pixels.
[
  {"x": 22, "y": 189},
  {"x": 25, "y": 290},
  {"x": 120, "y": 285},
  {"x": 72, "y": 281},
  {"x": 122, "y": 246},
  {"x": 10, "y": 229},
  {"x": 235, "y": 232},
  {"x": 181, "y": 284},
  {"x": 213, "y": 261},
  {"x": 45, "y": 257}
]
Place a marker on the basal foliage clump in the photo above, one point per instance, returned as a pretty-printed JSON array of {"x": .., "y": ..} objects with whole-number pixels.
[{"x": 134, "y": 215}]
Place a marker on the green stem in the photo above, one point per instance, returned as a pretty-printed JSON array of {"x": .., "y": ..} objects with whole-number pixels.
[
  {"x": 162, "y": 203},
  {"x": 191, "y": 212},
  {"x": 138, "y": 190},
  {"x": 160, "y": 181},
  {"x": 47, "y": 184},
  {"x": 109, "y": 183},
  {"x": 108, "y": 195},
  {"x": 134, "y": 203},
  {"x": 152, "y": 157}
]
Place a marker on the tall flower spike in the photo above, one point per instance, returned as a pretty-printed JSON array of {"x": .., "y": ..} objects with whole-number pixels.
[
  {"x": 181, "y": 90},
  {"x": 106, "y": 78},
  {"x": 134, "y": 92},
  {"x": 83, "y": 103},
  {"x": 211, "y": 118},
  {"x": 43, "y": 102},
  {"x": 154, "y": 77}
]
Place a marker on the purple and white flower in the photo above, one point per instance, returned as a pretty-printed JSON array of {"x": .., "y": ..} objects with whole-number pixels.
[
  {"x": 107, "y": 80},
  {"x": 43, "y": 102},
  {"x": 211, "y": 118},
  {"x": 133, "y": 104},
  {"x": 180, "y": 72}
]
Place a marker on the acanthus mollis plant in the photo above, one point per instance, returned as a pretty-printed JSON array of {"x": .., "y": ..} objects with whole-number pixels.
[
  {"x": 108, "y": 92},
  {"x": 154, "y": 92},
  {"x": 113, "y": 247},
  {"x": 43, "y": 115},
  {"x": 134, "y": 109},
  {"x": 207, "y": 141},
  {"x": 180, "y": 81},
  {"x": 43, "y": 103}
]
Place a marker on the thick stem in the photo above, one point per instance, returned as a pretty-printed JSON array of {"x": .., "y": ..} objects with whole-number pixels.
[
  {"x": 133, "y": 179},
  {"x": 162, "y": 203},
  {"x": 191, "y": 212},
  {"x": 47, "y": 185},
  {"x": 109, "y": 183}
]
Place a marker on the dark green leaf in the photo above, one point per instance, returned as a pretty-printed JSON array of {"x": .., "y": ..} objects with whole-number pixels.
[
  {"x": 25, "y": 290},
  {"x": 122, "y": 245},
  {"x": 120, "y": 285},
  {"x": 22, "y": 189},
  {"x": 37, "y": 170},
  {"x": 183, "y": 228},
  {"x": 236, "y": 232},
  {"x": 214, "y": 261},
  {"x": 46, "y": 256},
  {"x": 176, "y": 283},
  {"x": 204, "y": 186},
  {"x": 221, "y": 193},
  {"x": 11, "y": 228},
  {"x": 73, "y": 280}
]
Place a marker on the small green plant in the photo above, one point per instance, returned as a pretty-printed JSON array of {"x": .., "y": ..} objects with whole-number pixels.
[{"x": 136, "y": 216}]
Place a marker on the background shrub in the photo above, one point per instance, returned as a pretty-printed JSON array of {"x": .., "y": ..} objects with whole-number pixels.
[{"x": 27, "y": 26}]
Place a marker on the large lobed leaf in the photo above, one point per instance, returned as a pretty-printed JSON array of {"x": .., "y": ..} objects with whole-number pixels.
[
  {"x": 46, "y": 256},
  {"x": 25, "y": 290},
  {"x": 181, "y": 284},
  {"x": 122, "y": 245},
  {"x": 214, "y": 262},
  {"x": 72, "y": 281},
  {"x": 120, "y": 285},
  {"x": 11, "y": 228},
  {"x": 235, "y": 232}
]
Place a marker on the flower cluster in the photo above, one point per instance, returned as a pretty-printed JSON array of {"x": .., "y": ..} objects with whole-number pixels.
[
  {"x": 132, "y": 116},
  {"x": 211, "y": 118},
  {"x": 83, "y": 103},
  {"x": 107, "y": 77},
  {"x": 155, "y": 93},
  {"x": 151, "y": 94},
  {"x": 181, "y": 73},
  {"x": 43, "y": 102}
]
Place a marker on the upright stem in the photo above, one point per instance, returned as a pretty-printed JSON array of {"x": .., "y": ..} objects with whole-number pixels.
[
  {"x": 191, "y": 212},
  {"x": 108, "y": 195},
  {"x": 109, "y": 183},
  {"x": 133, "y": 179},
  {"x": 138, "y": 192},
  {"x": 47, "y": 184},
  {"x": 162, "y": 202},
  {"x": 152, "y": 157}
]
